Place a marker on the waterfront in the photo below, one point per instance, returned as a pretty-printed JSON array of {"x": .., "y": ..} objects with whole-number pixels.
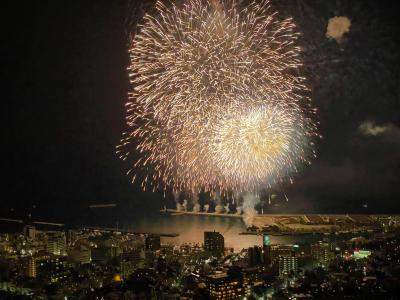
[
  {"x": 191, "y": 230},
  {"x": 132, "y": 253},
  {"x": 187, "y": 228}
]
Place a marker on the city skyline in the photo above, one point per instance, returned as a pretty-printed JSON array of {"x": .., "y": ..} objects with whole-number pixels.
[{"x": 95, "y": 263}]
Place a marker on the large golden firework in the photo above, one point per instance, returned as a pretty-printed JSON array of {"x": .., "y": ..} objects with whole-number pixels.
[{"x": 217, "y": 100}]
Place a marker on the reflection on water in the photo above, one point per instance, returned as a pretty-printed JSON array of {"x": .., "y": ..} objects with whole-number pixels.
[{"x": 191, "y": 229}]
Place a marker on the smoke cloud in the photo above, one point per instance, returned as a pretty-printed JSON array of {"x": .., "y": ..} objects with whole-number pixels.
[
  {"x": 176, "y": 198},
  {"x": 337, "y": 27},
  {"x": 369, "y": 128},
  {"x": 196, "y": 207},
  {"x": 185, "y": 205},
  {"x": 226, "y": 207},
  {"x": 249, "y": 201},
  {"x": 195, "y": 201},
  {"x": 219, "y": 209}
]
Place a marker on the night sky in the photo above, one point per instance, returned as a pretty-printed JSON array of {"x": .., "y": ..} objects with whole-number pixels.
[{"x": 67, "y": 83}]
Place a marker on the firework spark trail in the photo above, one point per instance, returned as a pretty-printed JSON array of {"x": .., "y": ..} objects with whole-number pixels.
[
  {"x": 256, "y": 146},
  {"x": 217, "y": 102}
]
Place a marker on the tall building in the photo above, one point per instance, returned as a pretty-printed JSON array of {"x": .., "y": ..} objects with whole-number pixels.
[
  {"x": 252, "y": 277},
  {"x": 223, "y": 286},
  {"x": 53, "y": 268},
  {"x": 80, "y": 255},
  {"x": 321, "y": 253},
  {"x": 130, "y": 261},
  {"x": 288, "y": 265},
  {"x": 267, "y": 259},
  {"x": 152, "y": 243},
  {"x": 30, "y": 232},
  {"x": 72, "y": 237},
  {"x": 214, "y": 243},
  {"x": 281, "y": 250},
  {"x": 104, "y": 253},
  {"x": 56, "y": 243},
  {"x": 254, "y": 256},
  {"x": 31, "y": 270}
]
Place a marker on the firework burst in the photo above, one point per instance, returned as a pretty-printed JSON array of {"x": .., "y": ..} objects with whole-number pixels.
[
  {"x": 253, "y": 147},
  {"x": 217, "y": 102}
]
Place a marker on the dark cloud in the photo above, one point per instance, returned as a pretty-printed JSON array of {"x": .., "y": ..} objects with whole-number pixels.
[{"x": 388, "y": 132}]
